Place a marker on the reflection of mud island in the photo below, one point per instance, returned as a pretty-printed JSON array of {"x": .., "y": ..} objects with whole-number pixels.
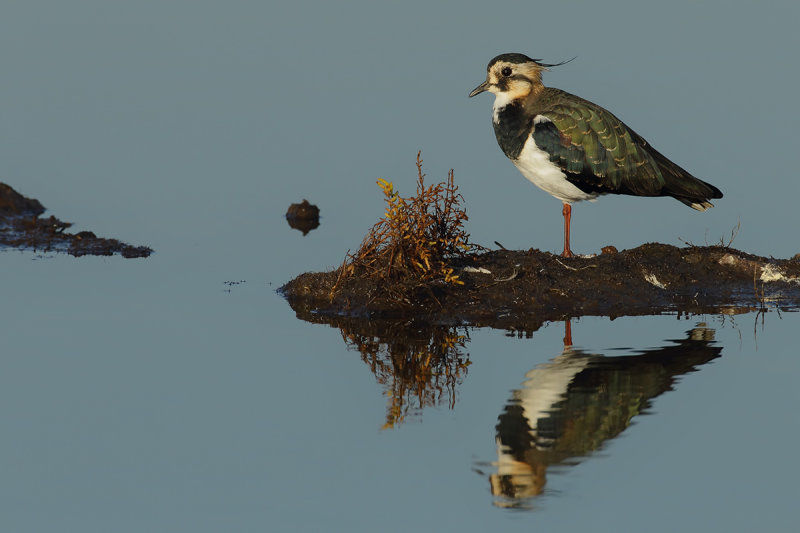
[
  {"x": 418, "y": 261},
  {"x": 572, "y": 405},
  {"x": 21, "y": 228}
]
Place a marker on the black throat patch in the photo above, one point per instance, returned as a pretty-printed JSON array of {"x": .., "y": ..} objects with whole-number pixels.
[{"x": 512, "y": 129}]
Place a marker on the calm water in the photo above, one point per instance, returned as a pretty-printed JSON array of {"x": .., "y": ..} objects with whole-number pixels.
[
  {"x": 132, "y": 403},
  {"x": 181, "y": 393}
]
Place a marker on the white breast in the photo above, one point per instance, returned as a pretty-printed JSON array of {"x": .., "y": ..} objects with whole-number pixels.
[
  {"x": 536, "y": 166},
  {"x": 547, "y": 384}
]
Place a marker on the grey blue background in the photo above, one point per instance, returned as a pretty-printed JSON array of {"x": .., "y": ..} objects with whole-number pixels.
[{"x": 142, "y": 395}]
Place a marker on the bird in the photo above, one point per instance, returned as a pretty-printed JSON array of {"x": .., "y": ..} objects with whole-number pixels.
[{"x": 573, "y": 148}]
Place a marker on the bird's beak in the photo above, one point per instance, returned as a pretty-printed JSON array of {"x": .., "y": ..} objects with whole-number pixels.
[{"x": 480, "y": 88}]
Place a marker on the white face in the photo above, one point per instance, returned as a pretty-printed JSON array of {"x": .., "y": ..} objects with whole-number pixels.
[
  {"x": 513, "y": 80},
  {"x": 509, "y": 82}
]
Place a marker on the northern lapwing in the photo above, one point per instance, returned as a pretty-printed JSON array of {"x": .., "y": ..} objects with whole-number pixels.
[{"x": 574, "y": 149}]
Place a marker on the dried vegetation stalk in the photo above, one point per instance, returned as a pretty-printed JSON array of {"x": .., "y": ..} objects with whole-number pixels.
[{"x": 416, "y": 237}]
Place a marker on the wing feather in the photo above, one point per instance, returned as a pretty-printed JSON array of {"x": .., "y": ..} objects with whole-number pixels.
[
  {"x": 599, "y": 153},
  {"x": 596, "y": 149}
]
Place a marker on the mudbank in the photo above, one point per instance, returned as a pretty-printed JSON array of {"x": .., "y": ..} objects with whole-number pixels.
[
  {"x": 22, "y": 228},
  {"x": 416, "y": 263},
  {"x": 520, "y": 290}
]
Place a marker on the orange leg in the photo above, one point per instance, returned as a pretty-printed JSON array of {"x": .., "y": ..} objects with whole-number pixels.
[{"x": 567, "y": 212}]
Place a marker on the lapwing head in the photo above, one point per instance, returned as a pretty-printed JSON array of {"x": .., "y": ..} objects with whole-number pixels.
[{"x": 513, "y": 76}]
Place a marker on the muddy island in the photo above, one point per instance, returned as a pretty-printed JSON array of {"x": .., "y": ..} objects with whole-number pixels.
[
  {"x": 417, "y": 264},
  {"x": 523, "y": 289}
]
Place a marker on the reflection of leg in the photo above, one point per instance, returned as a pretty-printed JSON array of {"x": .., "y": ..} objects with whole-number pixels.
[{"x": 567, "y": 333}]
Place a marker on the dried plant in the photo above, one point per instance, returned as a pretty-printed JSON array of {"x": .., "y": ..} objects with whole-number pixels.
[
  {"x": 721, "y": 243},
  {"x": 416, "y": 237}
]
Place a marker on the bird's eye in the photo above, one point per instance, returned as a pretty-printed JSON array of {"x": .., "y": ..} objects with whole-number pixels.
[{"x": 506, "y": 71}]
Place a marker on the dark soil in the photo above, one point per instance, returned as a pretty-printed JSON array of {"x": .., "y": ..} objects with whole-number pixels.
[
  {"x": 22, "y": 228},
  {"x": 522, "y": 290},
  {"x": 303, "y": 216}
]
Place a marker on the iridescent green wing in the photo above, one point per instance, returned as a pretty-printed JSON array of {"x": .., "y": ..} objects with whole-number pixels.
[{"x": 596, "y": 149}]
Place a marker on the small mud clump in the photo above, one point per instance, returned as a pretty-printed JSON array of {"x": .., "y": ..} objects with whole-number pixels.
[
  {"x": 609, "y": 250},
  {"x": 303, "y": 216},
  {"x": 22, "y": 228}
]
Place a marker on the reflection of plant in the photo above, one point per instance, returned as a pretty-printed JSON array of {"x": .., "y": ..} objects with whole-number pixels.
[
  {"x": 416, "y": 237},
  {"x": 417, "y": 370}
]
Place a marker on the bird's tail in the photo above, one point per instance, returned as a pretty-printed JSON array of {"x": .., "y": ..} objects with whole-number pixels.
[
  {"x": 682, "y": 186},
  {"x": 693, "y": 192},
  {"x": 700, "y": 206},
  {"x": 678, "y": 183}
]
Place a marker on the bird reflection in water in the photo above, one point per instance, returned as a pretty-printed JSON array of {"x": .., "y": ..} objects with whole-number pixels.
[{"x": 570, "y": 406}]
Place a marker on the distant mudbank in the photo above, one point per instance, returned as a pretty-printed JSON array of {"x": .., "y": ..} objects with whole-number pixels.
[
  {"x": 522, "y": 289},
  {"x": 22, "y": 228}
]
